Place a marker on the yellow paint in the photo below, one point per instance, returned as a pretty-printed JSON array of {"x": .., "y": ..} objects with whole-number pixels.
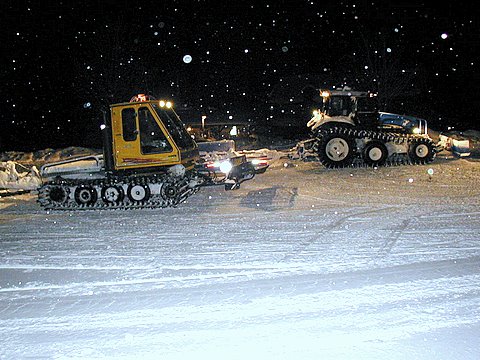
[{"x": 128, "y": 155}]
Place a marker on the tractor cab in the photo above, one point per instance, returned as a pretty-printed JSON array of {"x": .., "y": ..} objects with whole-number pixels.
[
  {"x": 146, "y": 133},
  {"x": 353, "y": 108}
]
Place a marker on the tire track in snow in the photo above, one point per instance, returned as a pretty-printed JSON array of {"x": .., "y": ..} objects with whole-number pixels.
[
  {"x": 416, "y": 221},
  {"x": 326, "y": 230},
  {"x": 393, "y": 237}
]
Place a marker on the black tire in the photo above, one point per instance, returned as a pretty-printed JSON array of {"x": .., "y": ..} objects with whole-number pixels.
[
  {"x": 375, "y": 153},
  {"x": 421, "y": 151},
  {"x": 336, "y": 150},
  {"x": 112, "y": 194},
  {"x": 85, "y": 195},
  {"x": 138, "y": 193}
]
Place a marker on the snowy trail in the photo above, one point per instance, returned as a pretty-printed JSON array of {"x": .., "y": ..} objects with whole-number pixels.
[{"x": 301, "y": 263}]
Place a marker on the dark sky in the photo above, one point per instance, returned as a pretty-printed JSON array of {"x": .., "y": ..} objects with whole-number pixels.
[{"x": 63, "y": 62}]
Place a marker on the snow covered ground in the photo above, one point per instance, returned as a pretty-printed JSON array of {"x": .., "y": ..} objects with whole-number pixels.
[{"x": 300, "y": 263}]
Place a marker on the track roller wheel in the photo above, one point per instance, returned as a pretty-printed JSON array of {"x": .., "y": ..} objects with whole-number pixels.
[
  {"x": 112, "y": 194},
  {"x": 336, "y": 150},
  {"x": 85, "y": 195},
  {"x": 169, "y": 191},
  {"x": 421, "y": 151},
  {"x": 57, "y": 194},
  {"x": 138, "y": 193},
  {"x": 375, "y": 153}
]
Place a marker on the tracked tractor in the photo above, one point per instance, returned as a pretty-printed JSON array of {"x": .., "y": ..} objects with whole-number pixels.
[
  {"x": 348, "y": 130},
  {"x": 149, "y": 160}
]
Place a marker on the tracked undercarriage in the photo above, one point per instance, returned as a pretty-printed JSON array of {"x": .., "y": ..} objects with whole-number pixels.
[
  {"x": 340, "y": 146},
  {"x": 83, "y": 184},
  {"x": 135, "y": 192}
]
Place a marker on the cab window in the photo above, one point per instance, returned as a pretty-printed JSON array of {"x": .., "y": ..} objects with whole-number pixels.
[
  {"x": 175, "y": 127},
  {"x": 152, "y": 139},
  {"x": 340, "y": 106},
  {"x": 129, "y": 124}
]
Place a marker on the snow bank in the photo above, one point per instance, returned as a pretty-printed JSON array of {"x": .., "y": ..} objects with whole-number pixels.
[
  {"x": 12, "y": 179},
  {"x": 19, "y": 170},
  {"x": 41, "y": 157}
]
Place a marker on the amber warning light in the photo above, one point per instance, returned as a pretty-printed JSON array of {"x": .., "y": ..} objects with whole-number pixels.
[{"x": 141, "y": 98}]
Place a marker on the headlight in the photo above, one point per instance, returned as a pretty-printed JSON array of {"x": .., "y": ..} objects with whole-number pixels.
[
  {"x": 225, "y": 166},
  {"x": 260, "y": 162},
  {"x": 416, "y": 130}
]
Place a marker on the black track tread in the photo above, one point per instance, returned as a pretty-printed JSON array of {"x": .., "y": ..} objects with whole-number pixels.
[{"x": 155, "y": 201}]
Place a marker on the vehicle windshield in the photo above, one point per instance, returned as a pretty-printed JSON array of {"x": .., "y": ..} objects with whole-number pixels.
[
  {"x": 175, "y": 127},
  {"x": 340, "y": 106}
]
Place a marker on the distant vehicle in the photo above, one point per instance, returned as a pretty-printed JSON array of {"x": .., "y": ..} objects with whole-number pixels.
[
  {"x": 348, "y": 129},
  {"x": 149, "y": 160}
]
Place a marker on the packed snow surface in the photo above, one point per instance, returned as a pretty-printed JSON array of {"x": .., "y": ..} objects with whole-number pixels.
[{"x": 300, "y": 263}]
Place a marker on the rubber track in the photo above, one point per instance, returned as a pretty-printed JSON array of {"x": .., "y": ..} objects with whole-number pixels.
[
  {"x": 385, "y": 137},
  {"x": 154, "y": 201}
]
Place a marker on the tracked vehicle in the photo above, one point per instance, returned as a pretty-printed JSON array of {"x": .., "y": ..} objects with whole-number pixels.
[
  {"x": 348, "y": 130},
  {"x": 149, "y": 160}
]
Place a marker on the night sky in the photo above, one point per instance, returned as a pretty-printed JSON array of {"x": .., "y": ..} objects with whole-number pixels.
[{"x": 257, "y": 61}]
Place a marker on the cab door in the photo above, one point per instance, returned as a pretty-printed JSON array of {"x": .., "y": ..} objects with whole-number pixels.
[{"x": 139, "y": 139}]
